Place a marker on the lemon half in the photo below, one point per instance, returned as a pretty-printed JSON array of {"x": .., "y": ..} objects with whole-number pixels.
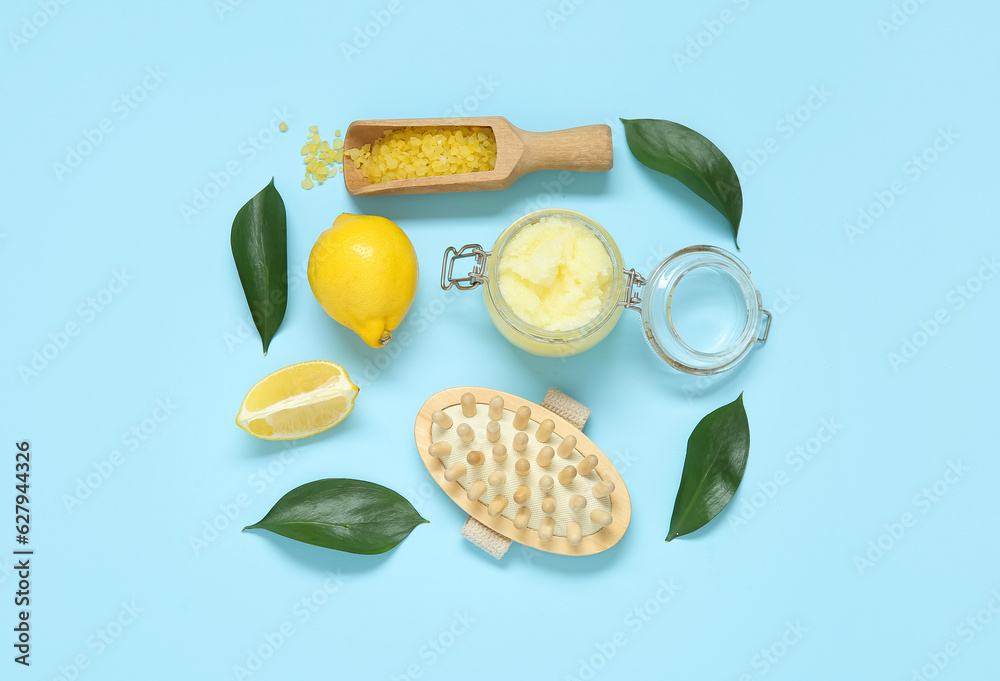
[{"x": 298, "y": 401}]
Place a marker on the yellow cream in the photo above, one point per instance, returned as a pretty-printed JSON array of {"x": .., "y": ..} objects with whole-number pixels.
[{"x": 555, "y": 274}]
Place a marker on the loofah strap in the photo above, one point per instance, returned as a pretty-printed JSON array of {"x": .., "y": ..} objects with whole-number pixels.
[
  {"x": 564, "y": 405},
  {"x": 490, "y": 541}
]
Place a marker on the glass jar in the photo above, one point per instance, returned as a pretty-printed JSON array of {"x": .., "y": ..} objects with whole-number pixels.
[{"x": 700, "y": 311}]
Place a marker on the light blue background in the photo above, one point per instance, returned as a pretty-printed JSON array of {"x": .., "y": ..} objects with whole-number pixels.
[{"x": 173, "y": 334}]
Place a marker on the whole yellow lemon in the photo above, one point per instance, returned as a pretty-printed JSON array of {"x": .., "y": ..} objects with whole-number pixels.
[{"x": 364, "y": 273}]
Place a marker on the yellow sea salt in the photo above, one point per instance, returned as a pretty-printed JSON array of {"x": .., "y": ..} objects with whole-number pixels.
[
  {"x": 422, "y": 152},
  {"x": 320, "y": 156}
]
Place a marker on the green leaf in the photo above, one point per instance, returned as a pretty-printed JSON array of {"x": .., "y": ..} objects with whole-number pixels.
[
  {"x": 690, "y": 157},
  {"x": 260, "y": 250},
  {"x": 713, "y": 468},
  {"x": 346, "y": 515}
]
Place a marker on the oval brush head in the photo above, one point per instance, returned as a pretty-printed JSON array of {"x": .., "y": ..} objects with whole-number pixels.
[{"x": 523, "y": 471}]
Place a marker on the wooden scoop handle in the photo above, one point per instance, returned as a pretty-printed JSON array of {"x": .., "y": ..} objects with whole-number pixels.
[{"x": 587, "y": 148}]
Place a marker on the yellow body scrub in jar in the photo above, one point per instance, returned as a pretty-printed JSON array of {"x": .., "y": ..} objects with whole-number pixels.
[
  {"x": 552, "y": 283},
  {"x": 555, "y": 274}
]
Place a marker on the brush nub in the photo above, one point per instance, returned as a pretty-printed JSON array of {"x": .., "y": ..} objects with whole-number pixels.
[
  {"x": 499, "y": 452},
  {"x": 443, "y": 420},
  {"x": 496, "y": 408},
  {"x": 574, "y": 533},
  {"x": 476, "y": 490},
  {"x": 468, "y": 405},
  {"x": 453, "y": 473},
  {"x": 549, "y": 504},
  {"x": 521, "y": 494},
  {"x": 497, "y": 506},
  {"x": 577, "y": 502},
  {"x": 493, "y": 431},
  {"x": 566, "y": 447},
  {"x": 603, "y": 489},
  {"x": 522, "y": 417},
  {"x": 522, "y": 518},
  {"x": 439, "y": 449},
  {"x": 520, "y": 442},
  {"x": 476, "y": 458},
  {"x": 601, "y": 517},
  {"x": 465, "y": 432},
  {"x": 497, "y": 479},
  {"x": 545, "y": 483},
  {"x": 545, "y": 455},
  {"x": 586, "y": 466},
  {"x": 544, "y": 431},
  {"x": 546, "y": 528},
  {"x": 522, "y": 467},
  {"x": 567, "y": 475}
]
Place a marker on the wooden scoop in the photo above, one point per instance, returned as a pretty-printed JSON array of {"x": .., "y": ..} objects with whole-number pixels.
[{"x": 587, "y": 148}]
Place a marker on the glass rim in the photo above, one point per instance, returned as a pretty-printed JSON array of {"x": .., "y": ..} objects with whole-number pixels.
[{"x": 674, "y": 268}]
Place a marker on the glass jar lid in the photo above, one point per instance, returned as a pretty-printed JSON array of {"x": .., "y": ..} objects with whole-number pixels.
[{"x": 700, "y": 311}]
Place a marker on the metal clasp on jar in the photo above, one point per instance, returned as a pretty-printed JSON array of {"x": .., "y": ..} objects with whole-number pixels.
[
  {"x": 633, "y": 282},
  {"x": 474, "y": 278}
]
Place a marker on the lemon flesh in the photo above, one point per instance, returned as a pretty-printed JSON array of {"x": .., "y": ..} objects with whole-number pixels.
[
  {"x": 364, "y": 273},
  {"x": 298, "y": 401}
]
